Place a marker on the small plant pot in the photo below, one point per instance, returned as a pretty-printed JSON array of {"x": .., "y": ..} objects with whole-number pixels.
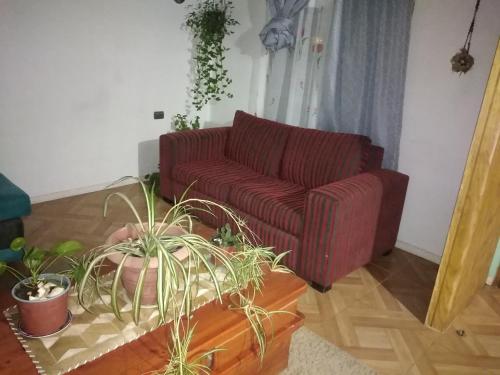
[
  {"x": 133, "y": 265},
  {"x": 44, "y": 317}
]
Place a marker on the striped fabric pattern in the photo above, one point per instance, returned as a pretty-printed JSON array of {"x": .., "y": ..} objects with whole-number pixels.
[
  {"x": 267, "y": 235},
  {"x": 276, "y": 202},
  {"x": 314, "y": 158},
  {"x": 215, "y": 217},
  {"x": 321, "y": 195},
  {"x": 394, "y": 185},
  {"x": 181, "y": 147},
  {"x": 339, "y": 230},
  {"x": 257, "y": 143},
  {"x": 213, "y": 177},
  {"x": 374, "y": 159},
  {"x": 261, "y": 233}
]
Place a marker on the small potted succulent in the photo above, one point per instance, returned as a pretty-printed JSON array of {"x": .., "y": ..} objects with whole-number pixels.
[
  {"x": 226, "y": 239},
  {"x": 41, "y": 297}
]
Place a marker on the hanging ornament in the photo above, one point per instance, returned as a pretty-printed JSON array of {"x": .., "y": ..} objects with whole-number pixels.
[{"x": 463, "y": 60}]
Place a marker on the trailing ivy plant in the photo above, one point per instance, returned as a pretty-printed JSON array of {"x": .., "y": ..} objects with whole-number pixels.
[
  {"x": 210, "y": 21},
  {"x": 181, "y": 122}
]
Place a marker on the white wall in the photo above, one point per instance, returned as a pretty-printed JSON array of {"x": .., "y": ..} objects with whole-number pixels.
[
  {"x": 440, "y": 113},
  {"x": 79, "y": 81}
]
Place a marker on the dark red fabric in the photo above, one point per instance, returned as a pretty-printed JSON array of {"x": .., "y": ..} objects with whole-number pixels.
[
  {"x": 339, "y": 228},
  {"x": 314, "y": 158},
  {"x": 394, "y": 185},
  {"x": 181, "y": 147},
  {"x": 332, "y": 229},
  {"x": 213, "y": 177},
  {"x": 267, "y": 235},
  {"x": 374, "y": 160},
  {"x": 276, "y": 202},
  {"x": 257, "y": 143},
  {"x": 214, "y": 217},
  {"x": 260, "y": 232}
]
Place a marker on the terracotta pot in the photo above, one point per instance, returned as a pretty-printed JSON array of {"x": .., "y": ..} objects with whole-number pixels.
[
  {"x": 41, "y": 318},
  {"x": 133, "y": 265}
]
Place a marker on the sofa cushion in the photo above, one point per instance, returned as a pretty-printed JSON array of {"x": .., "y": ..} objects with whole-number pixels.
[
  {"x": 257, "y": 143},
  {"x": 276, "y": 202},
  {"x": 14, "y": 202},
  {"x": 213, "y": 177},
  {"x": 314, "y": 158}
]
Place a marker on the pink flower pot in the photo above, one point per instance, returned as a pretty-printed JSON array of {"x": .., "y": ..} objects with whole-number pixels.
[
  {"x": 44, "y": 317},
  {"x": 133, "y": 265}
]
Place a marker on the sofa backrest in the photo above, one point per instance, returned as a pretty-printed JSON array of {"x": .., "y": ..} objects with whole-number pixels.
[
  {"x": 375, "y": 157},
  {"x": 313, "y": 157},
  {"x": 257, "y": 143}
]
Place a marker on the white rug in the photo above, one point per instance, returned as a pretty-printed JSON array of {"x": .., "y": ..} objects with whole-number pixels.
[{"x": 311, "y": 354}]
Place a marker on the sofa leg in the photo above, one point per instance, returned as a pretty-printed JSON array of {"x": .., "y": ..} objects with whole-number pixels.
[
  {"x": 388, "y": 252},
  {"x": 320, "y": 288}
]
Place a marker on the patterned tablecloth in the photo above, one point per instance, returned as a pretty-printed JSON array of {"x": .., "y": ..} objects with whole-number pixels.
[{"x": 91, "y": 335}]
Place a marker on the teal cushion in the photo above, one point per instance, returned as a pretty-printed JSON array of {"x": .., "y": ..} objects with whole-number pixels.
[
  {"x": 8, "y": 255},
  {"x": 13, "y": 201}
]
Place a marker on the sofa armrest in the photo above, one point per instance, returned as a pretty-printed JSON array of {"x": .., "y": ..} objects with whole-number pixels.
[
  {"x": 184, "y": 146},
  {"x": 394, "y": 185},
  {"x": 339, "y": 228}
]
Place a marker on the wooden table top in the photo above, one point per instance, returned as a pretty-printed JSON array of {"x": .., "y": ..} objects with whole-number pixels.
[{"x": 150, "y": 351}]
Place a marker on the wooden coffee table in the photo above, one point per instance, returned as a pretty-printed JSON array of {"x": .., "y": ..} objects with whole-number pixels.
[{"x": 217, "y": 326}]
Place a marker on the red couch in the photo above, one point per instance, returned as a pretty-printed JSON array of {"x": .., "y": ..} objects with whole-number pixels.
[{"x": 322, "y": 195}]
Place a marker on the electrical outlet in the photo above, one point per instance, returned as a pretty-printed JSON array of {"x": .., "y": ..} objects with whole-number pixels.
[{"x": 158, "y": 115}]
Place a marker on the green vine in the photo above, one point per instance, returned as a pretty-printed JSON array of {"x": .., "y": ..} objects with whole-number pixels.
[
  {"x": 210, "y": 21},
  {"x": 181, "y": 122}
]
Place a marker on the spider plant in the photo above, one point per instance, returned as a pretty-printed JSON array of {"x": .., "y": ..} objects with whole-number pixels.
[
  {"x": 256, "y": 316},
  {"x": 245, "y": 268},
  {"x": 250, "y": 264},
  {"x": 154, "y": 244},
  {"x": 179, "y": 362}
]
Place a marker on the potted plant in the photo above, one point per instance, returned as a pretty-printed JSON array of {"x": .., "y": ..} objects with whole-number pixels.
[
  {"x": 41, "y": 297},
  {"x": 150, "y": 256},
  {"x": 225, "y": 238},
  {"x": 210, "y": 21},
  {"x": 181, "y": 122},
  {"x": 153, "y": 179},
  {"x": 166, "y": 248},
  {"x": 139, "y": 241}
]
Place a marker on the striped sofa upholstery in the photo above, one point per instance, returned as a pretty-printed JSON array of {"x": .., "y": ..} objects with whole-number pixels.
[{"x": 320, "y": 195}]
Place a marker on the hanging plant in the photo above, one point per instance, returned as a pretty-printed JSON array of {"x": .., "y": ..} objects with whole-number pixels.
[{"x": 210, "y": 21}]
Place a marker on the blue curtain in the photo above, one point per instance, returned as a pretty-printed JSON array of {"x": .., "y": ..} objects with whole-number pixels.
[
  {"x": 365, "y": 71},
  {"x": 280, "y": 31}
]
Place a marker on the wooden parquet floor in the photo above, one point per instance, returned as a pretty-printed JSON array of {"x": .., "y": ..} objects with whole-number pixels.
[{"x": 375, "y": 313}]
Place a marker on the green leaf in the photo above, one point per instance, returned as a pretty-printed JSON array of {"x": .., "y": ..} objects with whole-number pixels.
[
  {"x": 67, "y": 248},
  {"x": 18, "y": 243},
  {"x": 33, "y": 258},
  {"x": 3, "y": 267}
]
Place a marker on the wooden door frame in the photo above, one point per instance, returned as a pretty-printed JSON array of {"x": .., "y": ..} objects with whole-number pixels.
[{"x": 475, "y": 225}]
